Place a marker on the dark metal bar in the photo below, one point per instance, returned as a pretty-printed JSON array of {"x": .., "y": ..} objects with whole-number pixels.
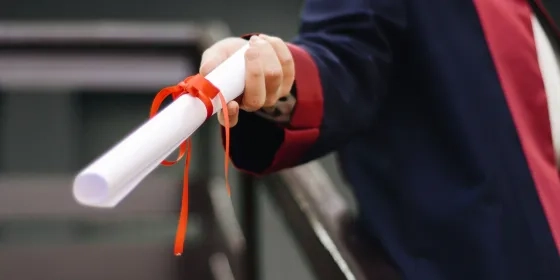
[
  {"x": 324, "y": 227},
  {"x": 249, "y": 225}
]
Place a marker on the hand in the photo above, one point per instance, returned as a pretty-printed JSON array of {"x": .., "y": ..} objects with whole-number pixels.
[{"x": 269, "y": 72}]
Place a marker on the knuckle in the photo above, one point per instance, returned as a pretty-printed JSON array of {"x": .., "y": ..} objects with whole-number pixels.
[
  {"x": 254, "y": 74},
  {"x": 253, "y": 103},
  {"x": 262, "y": 42},
  {"x": 275, "y": 40},
  {"x": 273, "y": 72},
  {"x": 251, "y": 53}
]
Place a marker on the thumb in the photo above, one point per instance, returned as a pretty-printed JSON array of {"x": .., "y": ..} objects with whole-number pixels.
[{"x": 233, "y": 114}]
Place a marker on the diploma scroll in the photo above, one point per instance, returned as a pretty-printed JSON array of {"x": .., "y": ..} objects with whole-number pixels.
[{"x": 110, "y": 178}]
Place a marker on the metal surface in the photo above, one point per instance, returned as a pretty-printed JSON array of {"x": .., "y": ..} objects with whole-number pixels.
[
  {"x": 41, "y": 227},
  {"x": 229, "y": 233},
  {"x": 324, "y": 226},
  {"x": 249, "y": 224}
]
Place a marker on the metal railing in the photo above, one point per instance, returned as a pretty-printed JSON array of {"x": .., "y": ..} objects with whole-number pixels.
[{"x": 324, "y": 226}]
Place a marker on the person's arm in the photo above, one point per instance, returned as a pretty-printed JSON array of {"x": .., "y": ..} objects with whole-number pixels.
[{"x": 343, "y": 60}]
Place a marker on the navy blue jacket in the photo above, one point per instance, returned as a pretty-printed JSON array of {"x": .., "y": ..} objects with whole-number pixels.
[{"x": 438, "y": 113}]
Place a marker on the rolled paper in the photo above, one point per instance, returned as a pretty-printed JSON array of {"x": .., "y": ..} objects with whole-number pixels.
[{"x": 110, "y": 178}]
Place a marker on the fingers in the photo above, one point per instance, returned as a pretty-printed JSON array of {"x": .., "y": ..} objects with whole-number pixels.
[
  {"x": 233, "y": 113},
  {"x": 218, "y": 53},
  {"x": 272, "y": 70},
  {"x": 286, "y": 62},
  {"x": 211, "y": 58},
  {"x": 269, "y": 70},
  {"x": 277, "y": 66},
  {"x": 255, "y": 89}
]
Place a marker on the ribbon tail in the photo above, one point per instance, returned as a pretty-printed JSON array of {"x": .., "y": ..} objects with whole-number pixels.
[
  {"x": 226, "y": 129},
  {"x": 198, "y": 87},
  {"x": 184, "y": 214}
]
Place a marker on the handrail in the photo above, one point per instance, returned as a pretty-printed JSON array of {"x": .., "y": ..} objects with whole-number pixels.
[
  {"x": 140, "y": 230},
  {"x": 323, "y": 224}
]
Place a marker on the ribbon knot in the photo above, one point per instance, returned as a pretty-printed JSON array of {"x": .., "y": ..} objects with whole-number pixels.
[{"x": 198, "y": 87}]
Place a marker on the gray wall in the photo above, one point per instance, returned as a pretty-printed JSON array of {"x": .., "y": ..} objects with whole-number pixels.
[{"x": 272, "y": 16}]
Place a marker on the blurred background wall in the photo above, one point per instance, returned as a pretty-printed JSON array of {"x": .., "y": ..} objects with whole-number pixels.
[
  {"x": 31, "y": 133},
  {"x": 272, "y": 16},
  {"x": 114, "y": 117}
]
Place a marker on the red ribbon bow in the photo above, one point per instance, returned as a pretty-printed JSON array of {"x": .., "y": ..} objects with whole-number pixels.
[{"x": 199, "y": 87}]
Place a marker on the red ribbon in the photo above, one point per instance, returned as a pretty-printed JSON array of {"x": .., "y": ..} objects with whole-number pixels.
[{"x": 199, "y": 87}]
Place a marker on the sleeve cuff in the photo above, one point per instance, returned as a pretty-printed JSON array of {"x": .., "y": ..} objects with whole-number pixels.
[
  {"x": 308, "y": 112},
  {"x": 259, "y": 146}
]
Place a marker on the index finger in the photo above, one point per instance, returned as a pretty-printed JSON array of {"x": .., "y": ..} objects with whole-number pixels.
[
  {"x": 211, "y": 58},
  {"x": 218, "y": 53}
]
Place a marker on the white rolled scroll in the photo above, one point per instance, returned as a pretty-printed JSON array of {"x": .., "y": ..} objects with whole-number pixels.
[{"x": 110, "y": 178}]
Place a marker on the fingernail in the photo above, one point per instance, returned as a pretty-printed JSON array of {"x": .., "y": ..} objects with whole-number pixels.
[{"x": 254, "y": 38}]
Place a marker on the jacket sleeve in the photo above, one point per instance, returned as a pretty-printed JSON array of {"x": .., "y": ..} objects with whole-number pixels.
[{"x": 343, "y": 58}]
